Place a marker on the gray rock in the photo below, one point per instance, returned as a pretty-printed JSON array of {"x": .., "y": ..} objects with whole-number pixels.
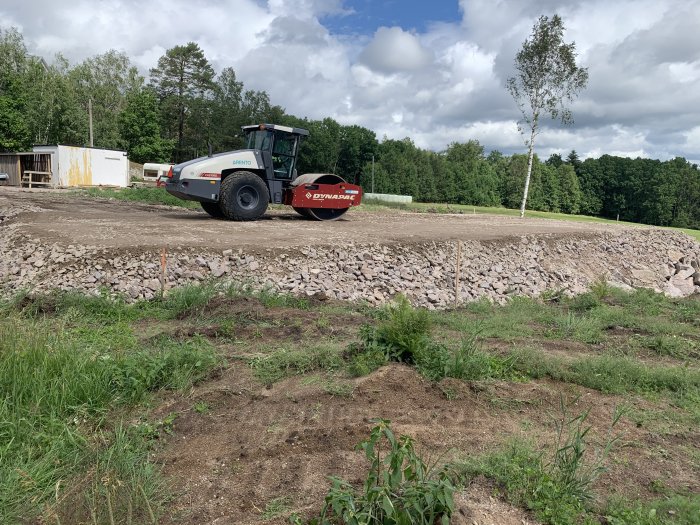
[
  {"x": 685, "y": 271},
  {"x": 152, "y": 284},
  {"x": 218, "y": 271}
]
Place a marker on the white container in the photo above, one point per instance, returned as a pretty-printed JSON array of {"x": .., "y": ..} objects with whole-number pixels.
[{"x": 73, "y": 166}]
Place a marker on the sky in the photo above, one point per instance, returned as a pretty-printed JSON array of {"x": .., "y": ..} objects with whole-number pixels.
[{"x": 434, "y": 71}]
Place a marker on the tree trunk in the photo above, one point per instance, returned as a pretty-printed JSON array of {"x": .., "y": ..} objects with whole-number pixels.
[{"x": 531, "y": 154}]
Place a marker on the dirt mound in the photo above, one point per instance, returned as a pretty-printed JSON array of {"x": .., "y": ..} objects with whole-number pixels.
[{"x": 257, "y": 444}]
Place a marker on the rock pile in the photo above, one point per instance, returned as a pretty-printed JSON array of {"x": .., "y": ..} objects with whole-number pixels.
[{"x": 663, "y": 260}]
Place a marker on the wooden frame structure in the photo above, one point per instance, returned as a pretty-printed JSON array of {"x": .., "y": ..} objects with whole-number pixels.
[{"x": 28, "y": 169}]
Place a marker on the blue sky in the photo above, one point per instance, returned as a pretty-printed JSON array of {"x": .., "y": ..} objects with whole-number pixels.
[
  {"x": 433, "y": 71},
  {"x": 367, "y": 15}
]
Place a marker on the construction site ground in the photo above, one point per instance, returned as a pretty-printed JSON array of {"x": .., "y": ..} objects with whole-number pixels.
[
  {"x": 258, "y": 438},
  {"x": 66, "y": 218}
]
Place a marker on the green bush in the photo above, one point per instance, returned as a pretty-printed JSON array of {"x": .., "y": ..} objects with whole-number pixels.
[
  {"x": 406, "y": 331},
  {"x": 400, "y": 489}
]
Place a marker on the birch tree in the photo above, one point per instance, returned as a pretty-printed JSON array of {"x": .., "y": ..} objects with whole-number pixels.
[{"x": 546, "y": 79}]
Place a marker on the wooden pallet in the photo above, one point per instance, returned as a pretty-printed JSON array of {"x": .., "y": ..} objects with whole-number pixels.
[{"x": 36, "y": 178}]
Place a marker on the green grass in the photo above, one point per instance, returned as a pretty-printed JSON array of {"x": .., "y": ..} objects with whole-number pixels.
[
  {"x": 509, "y": 322},
  {"x": 610, "y": 374},
  {"x": 66, "y": 364},
  {"x": 74, "y": 366},
  {"x": 612, "y": 319},
  {"x": 530, "y": 479},
  {"x": 147, "y": 195},
  {"x": 276, "y": 507},
  {"x": 424, "y": 207},
  {"x": 284, "y": 362}
]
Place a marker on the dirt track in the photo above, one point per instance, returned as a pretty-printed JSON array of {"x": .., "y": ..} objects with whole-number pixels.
[{"x": 69, "y": 219}]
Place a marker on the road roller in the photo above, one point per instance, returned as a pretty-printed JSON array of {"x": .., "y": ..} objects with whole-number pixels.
[{"x": 239, "y": 185}]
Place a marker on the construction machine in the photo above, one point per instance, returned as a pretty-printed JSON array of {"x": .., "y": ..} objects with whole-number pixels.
[{"x": 239, "y": 185}]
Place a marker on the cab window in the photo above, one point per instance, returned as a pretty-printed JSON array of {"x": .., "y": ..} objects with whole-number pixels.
[
  {"x": 283, "y": 153},
  {"x": 259, "y": 140}
]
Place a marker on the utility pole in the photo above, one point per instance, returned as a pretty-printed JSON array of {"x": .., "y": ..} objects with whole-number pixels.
[
  {"x": 372, "y": 173},
  {"x": 92, "y": 143}
]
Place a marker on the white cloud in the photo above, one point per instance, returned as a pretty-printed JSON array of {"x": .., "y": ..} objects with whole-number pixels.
[
  {"x": 441, "y": 85},
  {"x": 394, "y": 50}
]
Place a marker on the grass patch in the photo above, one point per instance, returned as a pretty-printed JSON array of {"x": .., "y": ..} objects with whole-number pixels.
[
  {"x": 147, "y": 195},
  {"x": 285, "y": 362},
  {"x": 276, "y": 508},
  {"x": 63, "y": 370},
  {"x": 404, "y": 335},
  {"x": 615, "y": 375},
  {"x": 532, "y": 480},
  {"x": 465, "y": 209},
  {"x": 467, "y": 362},
  {"x": 508, "y": 322}
]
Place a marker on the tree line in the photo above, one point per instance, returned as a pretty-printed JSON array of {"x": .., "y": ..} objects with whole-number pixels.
[{"x": 186, "y": 107}]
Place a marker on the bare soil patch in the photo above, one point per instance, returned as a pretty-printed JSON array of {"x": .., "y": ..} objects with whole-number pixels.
[{"x": 257, "y": 444}]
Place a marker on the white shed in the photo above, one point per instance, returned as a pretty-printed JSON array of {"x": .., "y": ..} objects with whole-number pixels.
[{"x": 76, "y": 166}]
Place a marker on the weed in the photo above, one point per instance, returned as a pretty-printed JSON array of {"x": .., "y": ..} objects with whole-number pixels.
[
  {"x": 450, "y": 393},
  {"x": 365, "y": 359},
  {"x": 404, "y": 334},
  {"x": 168, "y": 422},
  {"x": 600, "y": 289},
  {"x": 567, "y": 467},
  {"x": 467, "y": 362},
  {"x": 584, "y": 302},
  {"x": 201, "y": 407},
  {"x": 521, "y": 471},
  {"x": 276, "y": 507},
  {"x": 399, "y": 488},
  {"x": 556, "y": 487}
]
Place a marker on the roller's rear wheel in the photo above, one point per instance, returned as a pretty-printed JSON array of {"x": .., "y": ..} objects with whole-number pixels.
[{"x": 244, "y": 196}]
